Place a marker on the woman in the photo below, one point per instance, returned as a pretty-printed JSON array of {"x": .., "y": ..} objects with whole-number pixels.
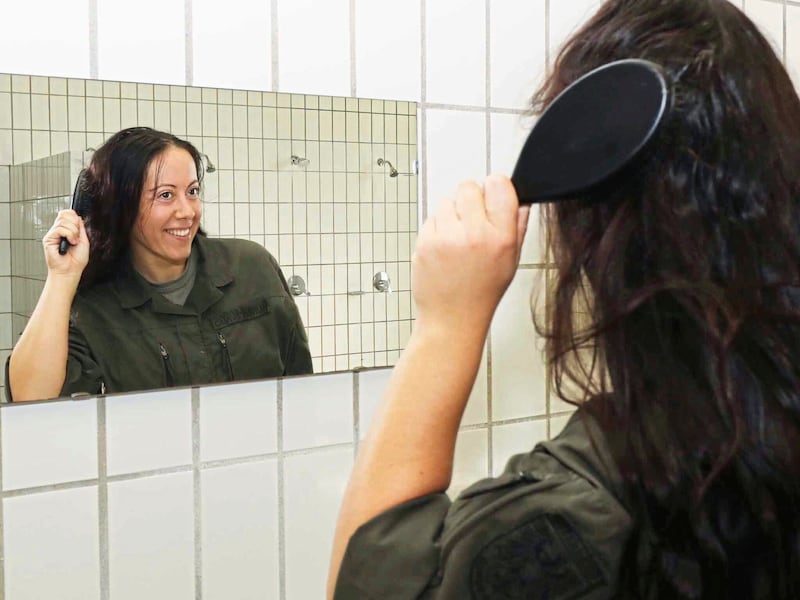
[
  {"x": 678, "y": 475},
  {"x": 143, "y": 299}
]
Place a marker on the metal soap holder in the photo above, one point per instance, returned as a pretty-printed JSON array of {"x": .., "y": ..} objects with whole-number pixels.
[
  {"x": 381, "y": 282},
  {"x": 297, "y": 286}
]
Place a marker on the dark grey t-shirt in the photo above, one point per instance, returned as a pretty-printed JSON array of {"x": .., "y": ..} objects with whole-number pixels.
[{"x": 177, "y": 290}]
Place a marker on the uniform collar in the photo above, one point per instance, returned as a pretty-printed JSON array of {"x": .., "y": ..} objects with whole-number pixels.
[{"x": 214, "y": 271}]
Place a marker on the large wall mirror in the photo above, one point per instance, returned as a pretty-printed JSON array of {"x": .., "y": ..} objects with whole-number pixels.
[{"x": 329, "y": 185}]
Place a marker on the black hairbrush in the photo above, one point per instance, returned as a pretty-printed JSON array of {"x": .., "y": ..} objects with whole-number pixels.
[
  {"x": 80, "y": 204},
  {"x": 592, "y": 130}
]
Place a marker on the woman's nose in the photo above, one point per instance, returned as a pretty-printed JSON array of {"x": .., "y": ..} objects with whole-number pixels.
[{"x": 185, "y": 206}]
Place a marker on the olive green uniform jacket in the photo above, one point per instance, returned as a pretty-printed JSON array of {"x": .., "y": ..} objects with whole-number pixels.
[
  {"x": 550, "y": 527},
  {"x": 238, "y": 322}
]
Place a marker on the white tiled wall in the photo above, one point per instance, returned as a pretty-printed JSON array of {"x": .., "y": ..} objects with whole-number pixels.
[
  {"x": 469, "y": 126},
  {"x": 335, "y": 219}
]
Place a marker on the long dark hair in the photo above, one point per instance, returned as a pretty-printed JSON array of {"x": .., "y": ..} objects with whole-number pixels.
[
  {"x": 113, "y": 184},
  {"x": 675, "y": 305}
]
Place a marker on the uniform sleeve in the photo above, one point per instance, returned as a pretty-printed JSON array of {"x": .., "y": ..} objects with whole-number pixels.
[
  {"x": 540, "y": 530},
  {"x": 298, "y": 355},
  {"x": 83, "y": 373}
]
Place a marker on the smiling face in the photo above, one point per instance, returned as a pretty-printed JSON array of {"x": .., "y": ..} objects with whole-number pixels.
[{"x": 169, "y": 216}]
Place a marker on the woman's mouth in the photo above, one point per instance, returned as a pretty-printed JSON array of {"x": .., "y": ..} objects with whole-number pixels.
[{"x": 179, "y": 233}]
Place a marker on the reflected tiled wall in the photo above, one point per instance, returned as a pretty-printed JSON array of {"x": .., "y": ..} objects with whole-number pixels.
[
  {"x": 39, "y": 189},
  {"x": 330, "y": 215}
]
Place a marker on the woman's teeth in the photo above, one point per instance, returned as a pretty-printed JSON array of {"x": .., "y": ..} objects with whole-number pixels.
[{"x": 179, "y": 232}]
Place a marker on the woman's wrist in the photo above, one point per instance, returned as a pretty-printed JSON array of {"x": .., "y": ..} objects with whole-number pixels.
[{"x": 62, "y": 284}]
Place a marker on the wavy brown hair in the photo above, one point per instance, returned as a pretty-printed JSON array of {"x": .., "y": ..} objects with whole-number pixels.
[
  {"x": 112, "y": 185},
  {"x": 687, "y": 267}
]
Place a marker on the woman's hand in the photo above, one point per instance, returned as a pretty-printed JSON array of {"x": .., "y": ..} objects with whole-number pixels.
[
  {"x": 467, "y": 254},
  {"x": 69, "y": 225}
]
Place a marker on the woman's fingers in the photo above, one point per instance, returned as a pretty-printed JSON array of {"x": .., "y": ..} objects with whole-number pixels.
[
  {"x": 501, "y": 203},
  {"x": 67, "y": 224},
  {"x": 470, "y": 206}
]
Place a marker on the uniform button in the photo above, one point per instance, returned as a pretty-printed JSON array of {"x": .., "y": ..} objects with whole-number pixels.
[{"x": 202, "y": 351}]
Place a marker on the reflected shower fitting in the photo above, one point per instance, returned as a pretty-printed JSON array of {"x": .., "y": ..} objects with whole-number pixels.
[
  {"x": 210, "y": 168},
  {"x": 392, "y": 171}
]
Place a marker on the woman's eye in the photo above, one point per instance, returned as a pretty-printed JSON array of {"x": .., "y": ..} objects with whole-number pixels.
[
  {"x": 165, "y": 195},
  {"x": 194, "y": 192}
]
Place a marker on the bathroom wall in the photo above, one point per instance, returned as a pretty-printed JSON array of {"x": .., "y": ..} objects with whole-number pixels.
[{"x": 117, "y": 479}]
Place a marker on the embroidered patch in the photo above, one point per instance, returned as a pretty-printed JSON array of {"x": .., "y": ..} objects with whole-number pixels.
[
  {"x": 241, "y": 313},
  {"x": 543, "y": 559}
]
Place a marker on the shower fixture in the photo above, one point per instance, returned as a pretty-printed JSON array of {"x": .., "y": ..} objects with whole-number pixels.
[
  {"x": 210, "y": 168},
  {"x": 392, "y": 171}
]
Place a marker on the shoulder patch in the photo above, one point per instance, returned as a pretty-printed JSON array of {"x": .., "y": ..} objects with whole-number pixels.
[{"x": 544, "y": 558}]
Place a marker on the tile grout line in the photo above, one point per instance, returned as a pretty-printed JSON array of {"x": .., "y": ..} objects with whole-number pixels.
[
  {"x": 274, "y": 46},
  {"x": 102, "y": 499},
  {"x": 198, "y": 497},
  {"x": 281, "y": 497},
  {"x": 188, "y": 42},
  {"x": 353, "y": 82},
  {"x": 785, "y": 33},
  {"x": 2, "y": 516},
  {"x": 422, "y": 109},
  {"x": 94, "y": 54}
]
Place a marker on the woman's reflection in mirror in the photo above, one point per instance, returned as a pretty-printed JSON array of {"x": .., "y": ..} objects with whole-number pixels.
[{"x": 143, "y": 298}]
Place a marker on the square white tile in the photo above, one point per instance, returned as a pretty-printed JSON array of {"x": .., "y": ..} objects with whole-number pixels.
[
  {"x": 451, "y": 161},
  {"x": 314, "y": 486},
  {"x": 303, "y": 67},
  {"x": 155, "y": 54},
  {"x": 456, "y": 52},
  {"x": 55, "y": 45},
  {"x": 471, "y": 461},
  {"x": 566, "y": 18},
  {"x": 519, "y": 375},
  {"x": 51, "y": 545},
  {"x": 557, "y": 424},
  {"x": 240, "y": 531},
  {"x": 515, "y": 438},
  {"x": 793, "y": 43},
  {"x": 151, "y": 531},
  {"x": 148, "y": 431},
  {"x": 516, "y": 69},
  {"x": 235, "y": 50},
  {"x": 49, "y": 443},
  {"x": 317, "y": 411},
  {"x": 238, "y": 420},
  {"x": 769, "y": 18}
]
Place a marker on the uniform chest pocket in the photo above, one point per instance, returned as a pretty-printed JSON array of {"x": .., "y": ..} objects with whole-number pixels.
[
  {"x": 249, "y": 337},
  {"x": 245, "y": 312}
]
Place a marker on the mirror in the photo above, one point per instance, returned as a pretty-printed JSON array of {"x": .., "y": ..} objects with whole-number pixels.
[{"x": 328, "y": 185}]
